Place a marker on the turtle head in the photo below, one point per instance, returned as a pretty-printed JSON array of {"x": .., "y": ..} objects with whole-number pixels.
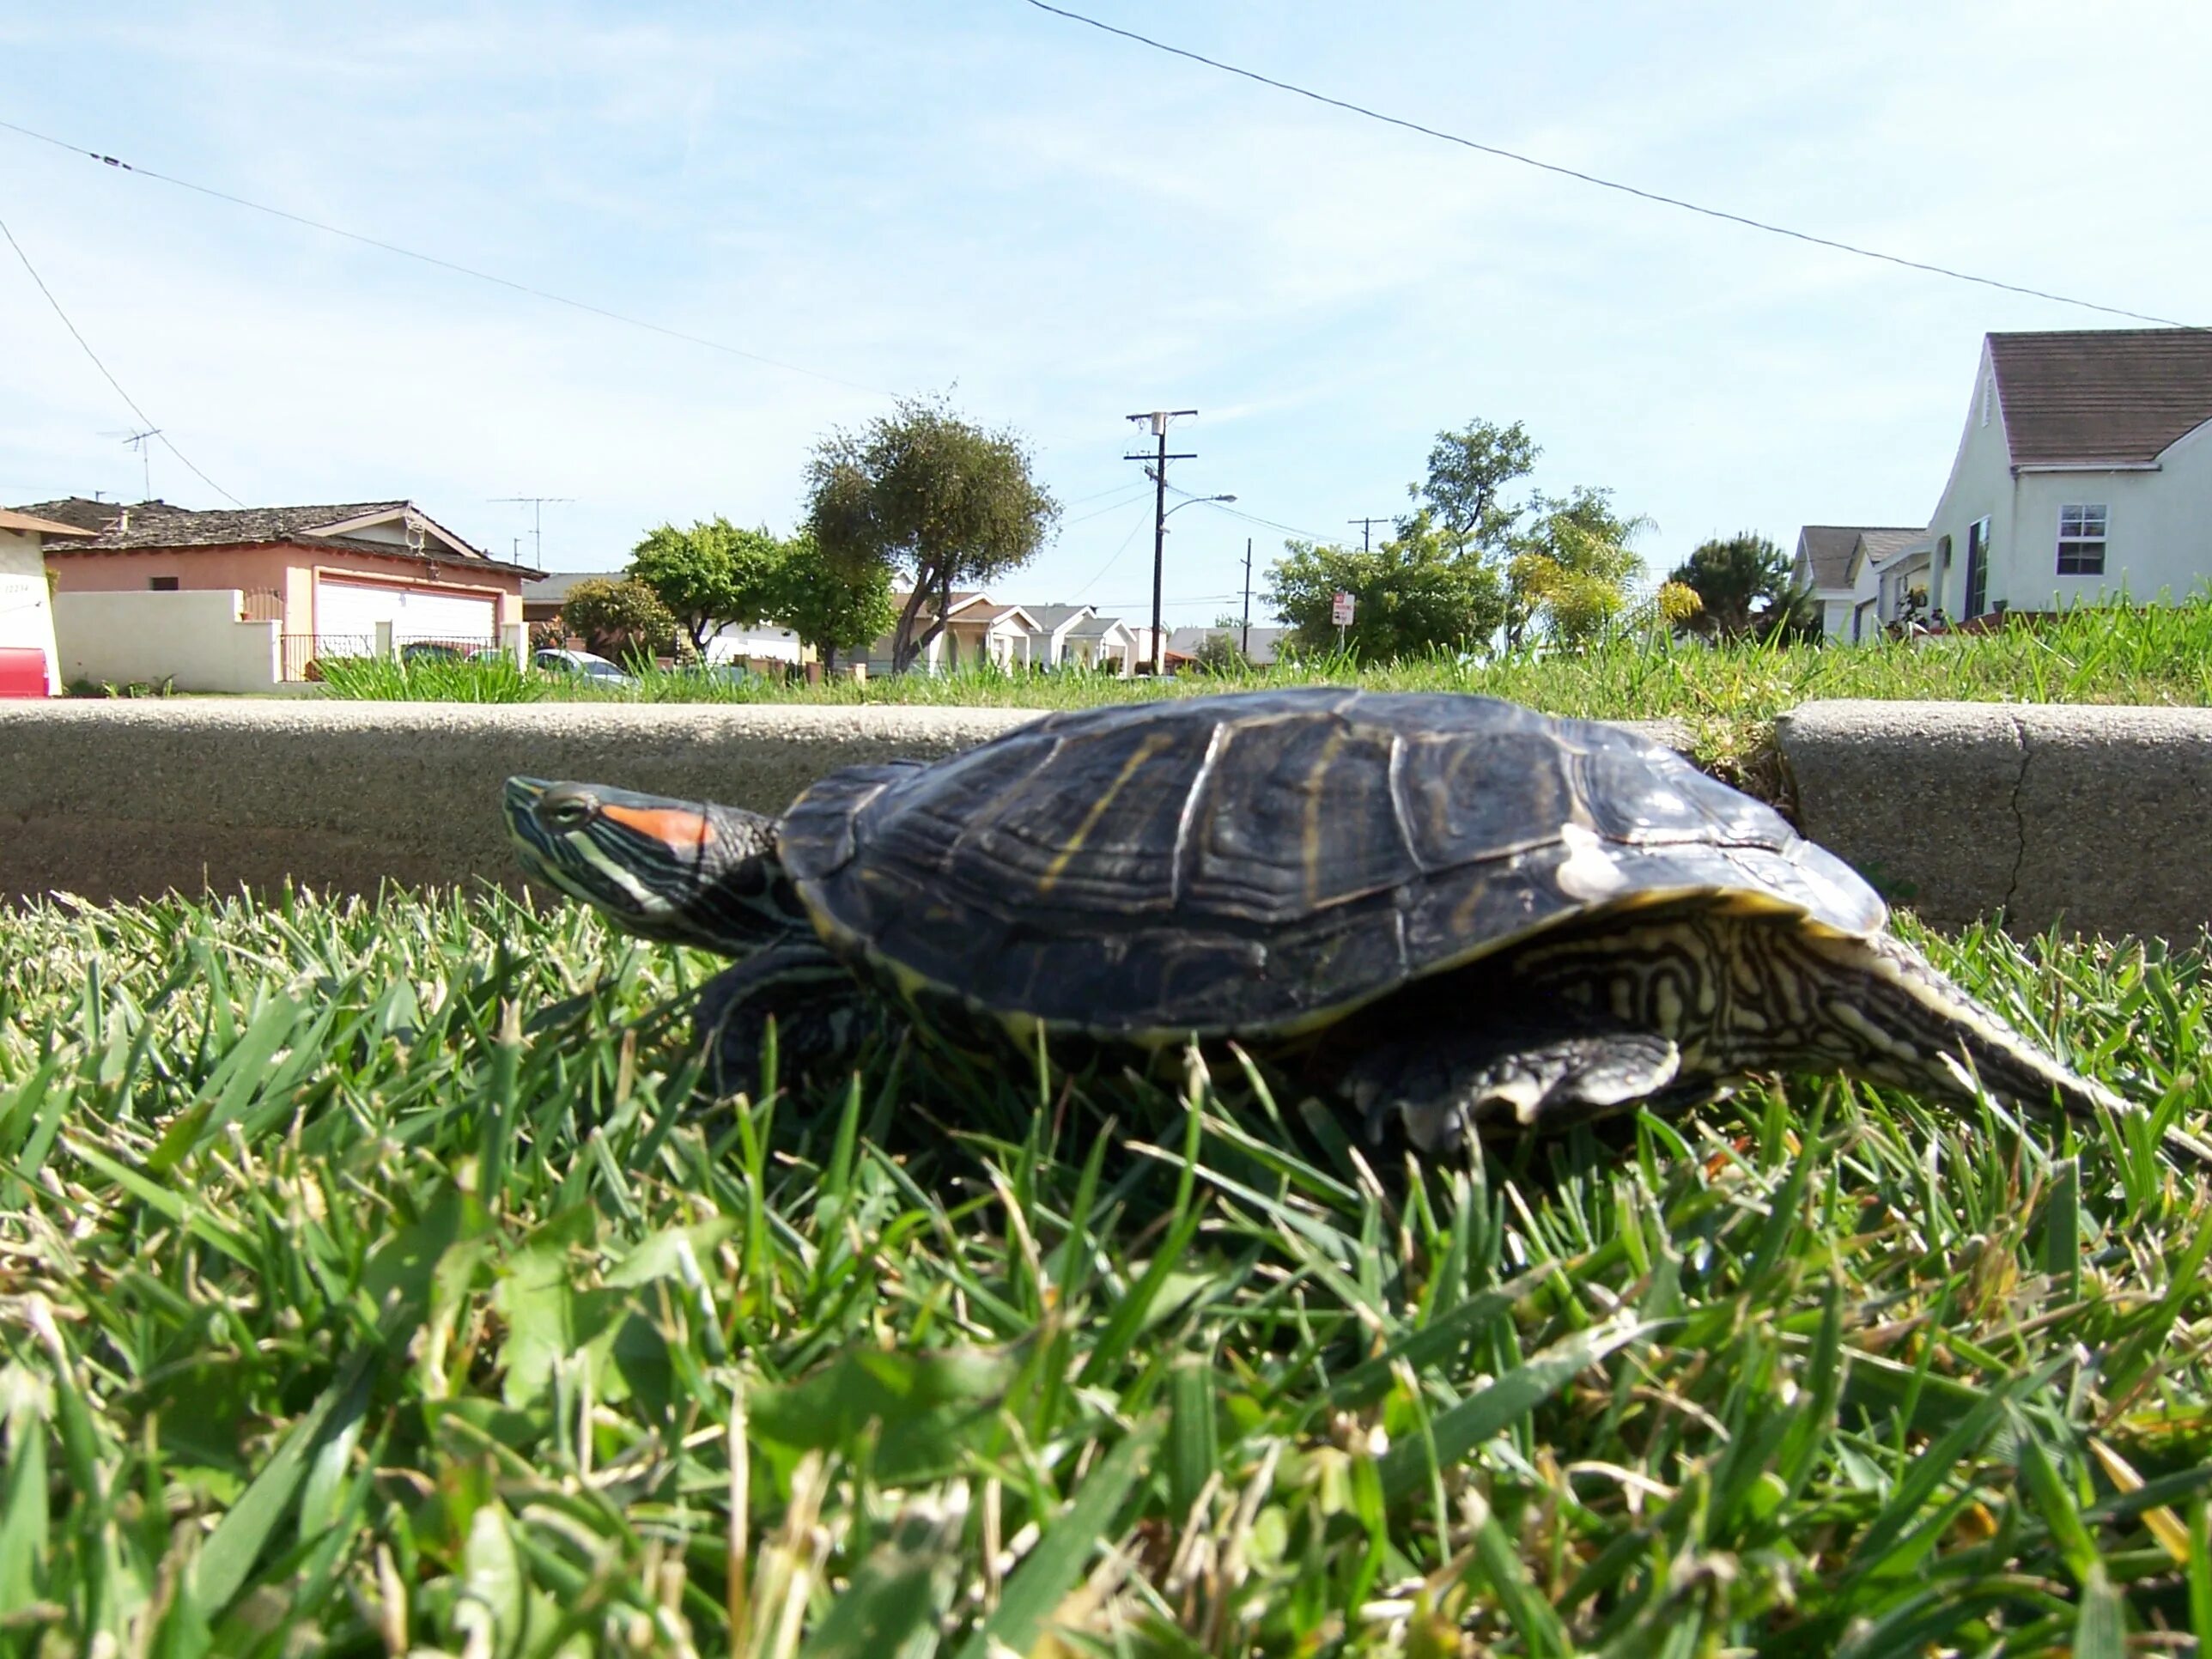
[{"x": 685, "y": 873}]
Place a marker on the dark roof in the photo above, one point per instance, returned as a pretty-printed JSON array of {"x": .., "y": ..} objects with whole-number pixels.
[
  {"x": 37, "y": 526},
  {"x": 1051, "y": 617},
  {"x": 122, "y": 525},
  {"x": 2101, "y": 394},
  {"x": 553, "y": 588},
  {"x": 1828, "y": 547}
]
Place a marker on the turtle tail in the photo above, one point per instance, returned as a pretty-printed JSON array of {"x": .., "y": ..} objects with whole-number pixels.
[{"x": 1917, "y": 1021}]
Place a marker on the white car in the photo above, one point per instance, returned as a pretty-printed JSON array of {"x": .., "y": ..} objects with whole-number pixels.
[{"x": 585, "y": 664}]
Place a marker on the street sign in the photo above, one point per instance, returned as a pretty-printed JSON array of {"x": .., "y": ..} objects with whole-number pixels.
[{"x": 1340, "y": 610}]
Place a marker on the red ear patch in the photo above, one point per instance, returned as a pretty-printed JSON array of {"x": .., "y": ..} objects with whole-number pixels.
[{"x": 671, "y": 825}]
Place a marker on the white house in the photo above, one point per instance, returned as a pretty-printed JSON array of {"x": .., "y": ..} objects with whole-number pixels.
[
  {"x": 1076, "y": 636},
  {"x": 1103, "y": 643},
  {"x": 977, "y": 629},
  {"x": 1842, "y": 564},
  {"x": 2085, "y": 472},
  {"x": 1889, "y": 576},
  {"x": 1048, "y": 645},
  {"x": 27, "y": 612}
]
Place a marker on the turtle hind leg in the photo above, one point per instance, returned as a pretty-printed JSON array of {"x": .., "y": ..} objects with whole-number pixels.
[
  {"x": 1446, "y": 1090},
  {"x": 1919, "y": 1030},
  {"x": 823, "y": 1017}
]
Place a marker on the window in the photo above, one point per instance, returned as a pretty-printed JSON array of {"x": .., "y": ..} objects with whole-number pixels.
[
  {"x": 161, "y": 584},
  {"x": 1977, "y": 568},
  {"x": 2081, "y": 541},
  {"x": 1989, "y": 387}
]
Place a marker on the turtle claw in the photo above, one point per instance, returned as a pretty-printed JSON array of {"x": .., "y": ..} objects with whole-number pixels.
[{"x": 1444, "y": 1093}]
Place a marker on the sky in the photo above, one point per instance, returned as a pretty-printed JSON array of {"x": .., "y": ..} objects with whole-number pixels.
[{"x": 858, "y": 200}]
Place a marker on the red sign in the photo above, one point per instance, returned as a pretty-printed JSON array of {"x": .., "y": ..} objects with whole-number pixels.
[
  {"x": 22, "y": 671},
  {"x": 1340, "y": 610}
]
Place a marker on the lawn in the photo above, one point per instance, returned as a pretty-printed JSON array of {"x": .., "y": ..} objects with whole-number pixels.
[
  {"x": 371, "y": 1280},
  {"x": 1728, "y": 698}
]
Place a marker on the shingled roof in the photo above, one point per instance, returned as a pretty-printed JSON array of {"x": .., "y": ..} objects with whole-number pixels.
[
  {"x": 2082, "y": 396},
  {"x": 1828, "y": 547},
  {"x": 120, "y": 526}
]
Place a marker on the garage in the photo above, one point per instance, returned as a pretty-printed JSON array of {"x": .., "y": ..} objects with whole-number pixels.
[{"x": 346, "y": 613}]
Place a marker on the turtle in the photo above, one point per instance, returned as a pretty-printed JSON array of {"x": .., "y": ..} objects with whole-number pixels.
[{"x": 1449, "y": 911}]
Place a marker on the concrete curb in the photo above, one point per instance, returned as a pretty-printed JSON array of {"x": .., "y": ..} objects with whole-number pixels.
[
  {"x": 2096, "y": 819},
  {"x": 117, "y": 800},
  {"x": 120, "y": 800}
]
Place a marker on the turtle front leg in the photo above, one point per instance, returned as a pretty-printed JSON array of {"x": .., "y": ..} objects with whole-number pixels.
[
  {"x": 1446, "y": 1088},
  {"x": 822, "y": 1015}
]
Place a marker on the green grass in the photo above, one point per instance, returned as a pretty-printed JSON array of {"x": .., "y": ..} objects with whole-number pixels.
[
  {"x": 369, "y": 1283},
  {"x": 1729, "y": 697}
]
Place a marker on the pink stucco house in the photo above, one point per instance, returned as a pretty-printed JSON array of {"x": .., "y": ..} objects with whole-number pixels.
[{"x": 330, "y": 576}]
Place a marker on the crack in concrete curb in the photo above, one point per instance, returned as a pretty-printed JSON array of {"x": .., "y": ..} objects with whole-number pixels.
[{"x": 2019, "y": 818}]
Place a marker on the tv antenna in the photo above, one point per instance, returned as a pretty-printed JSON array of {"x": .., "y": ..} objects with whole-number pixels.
[
  {"x": 536, "y": 504},
  {"x": 143, "y": 442}
]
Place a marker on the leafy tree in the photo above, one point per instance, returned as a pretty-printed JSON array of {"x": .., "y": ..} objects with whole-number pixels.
[
  {"x": 924, "y": 493},
  {"x": 1412, "y": 595},
  {"x": 711, "y": 576},
  {"x": 1571, "y": 570},
  {"x": 617, "y": 618},
  {"x": 1743, "y": 587},
  {"x": 831, "y": 607},
  {"x": 1464, "y": 494}
]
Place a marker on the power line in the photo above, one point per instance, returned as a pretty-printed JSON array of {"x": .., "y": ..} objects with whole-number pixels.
[
  {"x": 1576, "y": 173},
  {"x": 1100, "y": 573},
  {"x": 1251, "y": 518},
  {"x": 457, "y": 267},
  {"x": 153, "y": 430},
  {"x": 1132, "y": 495}
]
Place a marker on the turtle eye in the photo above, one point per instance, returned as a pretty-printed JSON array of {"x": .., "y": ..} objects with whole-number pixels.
[{"x": 565, "y": 812}]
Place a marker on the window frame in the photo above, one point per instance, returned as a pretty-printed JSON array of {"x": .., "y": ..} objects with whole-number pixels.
[
  {"x": 1975, "y": 597},
  {"x": 2081, "y": 538}
]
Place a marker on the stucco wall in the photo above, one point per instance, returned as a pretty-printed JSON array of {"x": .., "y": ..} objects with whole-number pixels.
[
  {"x": 288, "y": 567},
  {"x": 2158, "y": 532},
  {"x": 194, "y": 639},
  {"x": 1980, "y": 484},
  {"x": 26, "y": 620}
]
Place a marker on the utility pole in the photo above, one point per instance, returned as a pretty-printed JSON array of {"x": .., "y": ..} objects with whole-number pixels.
[
  {"x": 1158, "y": 419},
  {"x": 1244, "y": 642},
  {"x": 1366, "y": 532},
  {"x": 536, "y": 504}
]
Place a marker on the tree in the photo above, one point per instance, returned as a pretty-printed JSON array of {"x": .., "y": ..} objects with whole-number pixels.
[
  {"x": 923, "y": 492},
  {"x": 711, "y": 576},
  {"x": 1464, "y": 494},
  {"x": 619, "y": 619},
  {"x": 1571, "y": 569},
  {"x": 829, "y": 606},
  {"x": 1218, "y": 649},
  {"x": 1743, "y": 587},
  {"x": 1410, "y": 595}
]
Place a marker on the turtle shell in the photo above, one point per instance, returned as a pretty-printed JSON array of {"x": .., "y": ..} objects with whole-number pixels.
[{"x": 1260, "y": 863}]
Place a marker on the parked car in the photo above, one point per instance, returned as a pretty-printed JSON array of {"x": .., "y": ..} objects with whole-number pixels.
[
  {"x": 584, "y": 664},
  {"x": 443, "y": 651}
]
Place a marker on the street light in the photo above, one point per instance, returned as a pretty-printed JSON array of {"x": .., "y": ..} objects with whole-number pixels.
[{"x": 1159, "y": 561}]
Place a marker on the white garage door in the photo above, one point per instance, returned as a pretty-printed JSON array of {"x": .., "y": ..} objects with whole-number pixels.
[{"x": 350, "y": 611}]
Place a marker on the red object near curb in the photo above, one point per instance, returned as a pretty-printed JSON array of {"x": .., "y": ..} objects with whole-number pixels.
[{"x": 23, "y": 672}]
